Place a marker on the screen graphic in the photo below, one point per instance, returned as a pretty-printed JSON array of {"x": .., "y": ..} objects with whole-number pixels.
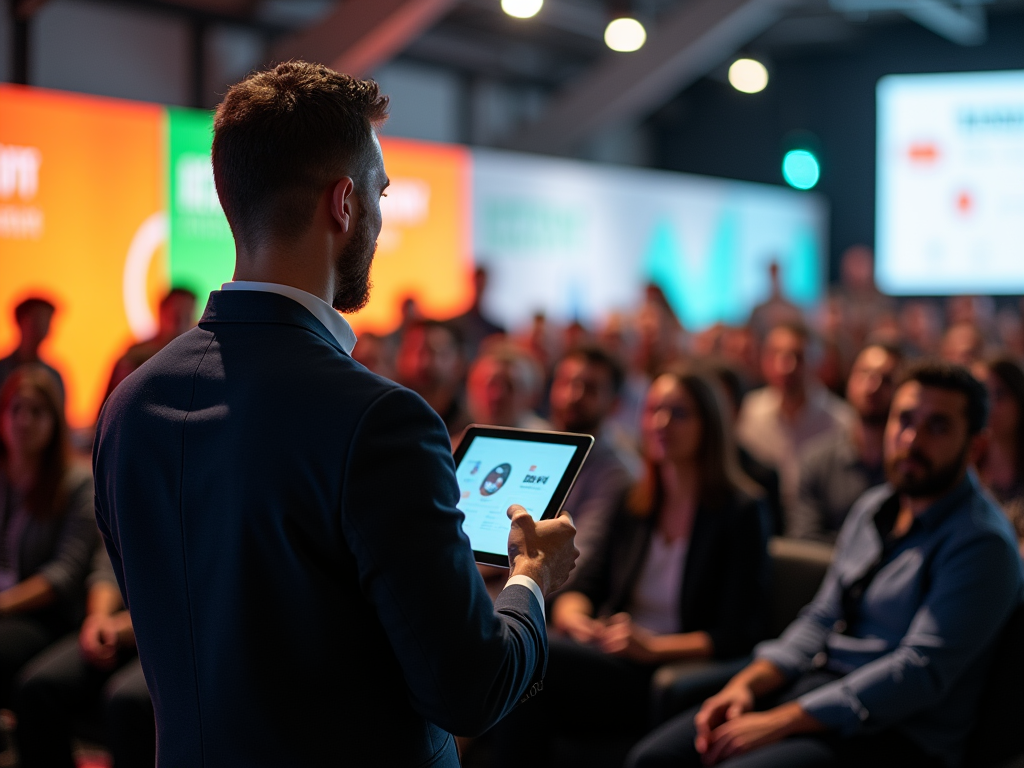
[
  {"x": 950, "y": 197},
  {"x": 496, "y": 473},
  {"x": 577, "y": 240}
]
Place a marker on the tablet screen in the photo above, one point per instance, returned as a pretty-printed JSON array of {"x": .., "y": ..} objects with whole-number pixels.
[{"x": 495, "y": 473}]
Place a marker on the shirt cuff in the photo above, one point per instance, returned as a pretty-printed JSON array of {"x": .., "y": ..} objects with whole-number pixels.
[{"x": 530, "y": 584}]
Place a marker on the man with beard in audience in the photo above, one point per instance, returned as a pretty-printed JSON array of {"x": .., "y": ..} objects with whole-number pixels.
[
  {"x": 837, "y": 467},
  {"x": 886, "y": 666}
]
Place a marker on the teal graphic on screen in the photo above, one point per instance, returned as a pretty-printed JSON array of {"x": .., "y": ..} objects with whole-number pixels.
[{"x": 497, "y": 473}]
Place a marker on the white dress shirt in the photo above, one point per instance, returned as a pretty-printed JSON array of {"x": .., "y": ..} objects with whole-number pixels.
[{"x": 342, "y": 331}]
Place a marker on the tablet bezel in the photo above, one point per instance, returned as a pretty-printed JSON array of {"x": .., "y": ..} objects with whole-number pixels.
[{"x": 582, "y": 443}]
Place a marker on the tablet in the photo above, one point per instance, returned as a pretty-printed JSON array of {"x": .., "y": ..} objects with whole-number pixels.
[{"x": 498, "y": 466}]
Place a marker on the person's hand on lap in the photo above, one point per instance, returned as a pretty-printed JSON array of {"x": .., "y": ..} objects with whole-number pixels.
[
  {"x": 728, "y": 704},
  {"x": 751, "y": 730},
  {"x": 621, "y": 637}
]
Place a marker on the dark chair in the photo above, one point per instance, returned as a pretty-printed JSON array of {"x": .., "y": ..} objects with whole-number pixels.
[{"x": 998, "y": 734}]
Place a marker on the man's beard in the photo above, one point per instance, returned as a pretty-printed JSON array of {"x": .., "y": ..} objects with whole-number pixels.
[
  {"x": 354, "y": 262},
  {"x": 933, "y": 482}
]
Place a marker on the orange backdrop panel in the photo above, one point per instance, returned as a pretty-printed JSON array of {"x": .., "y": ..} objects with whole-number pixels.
[
  {"x": 424, "y": 250},
  {"x": 100, "y": 176}
]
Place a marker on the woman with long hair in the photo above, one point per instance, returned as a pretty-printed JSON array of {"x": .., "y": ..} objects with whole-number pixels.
[
  {"x": 680, "y": 574},
  {"x": 1001, "y": 466},
  {"x": 47, "y": 529}
]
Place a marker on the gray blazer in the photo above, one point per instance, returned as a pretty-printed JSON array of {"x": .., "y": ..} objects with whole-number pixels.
[{"x": 60, "y": 547}]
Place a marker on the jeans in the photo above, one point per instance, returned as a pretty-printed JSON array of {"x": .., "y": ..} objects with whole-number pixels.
[{"x": 672, "y": 743}]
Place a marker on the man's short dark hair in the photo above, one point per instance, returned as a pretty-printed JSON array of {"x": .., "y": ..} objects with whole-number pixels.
[
  {"x": 30, "y": 304},
  {"x": 281, "y": 136},
  {"x": 595, "y": 355},
  {"x": 953, "y": 378}
]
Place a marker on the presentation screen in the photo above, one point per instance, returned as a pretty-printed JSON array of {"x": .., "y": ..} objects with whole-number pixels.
[
  {"x": 950, "y": 176},
  {"x": 577, "y": 240}
]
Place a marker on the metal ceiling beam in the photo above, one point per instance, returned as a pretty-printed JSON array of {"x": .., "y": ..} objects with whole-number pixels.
[
  {"x": 360, "y": 35},
  {"x": 683, "y": 47},
  {"x": 963, "y": 23}
]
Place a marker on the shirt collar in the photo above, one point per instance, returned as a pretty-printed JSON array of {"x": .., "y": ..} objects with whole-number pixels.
[
  {"x": 952, "y": 500},
  {"x": 336, "y": 324}
]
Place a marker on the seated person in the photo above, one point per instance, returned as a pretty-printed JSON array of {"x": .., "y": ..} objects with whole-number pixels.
[
  {"x": 679, "y": 575},
  {"x": 1001, "y": 464},
  {"x": 766, "y": 477},
  {"x": 431, "y": 362},
  {"x": 503, "y": 387},
  {"x": 584, "y": 393},
  {"x": 777, "y": 421},
  {"x": 837, "y": 467},
  {"x": 97, "y": 664},
  {"x": 177, "y": 315},
  {"x": 47, "y": 524},
  {"x": 885, "y": 667}
]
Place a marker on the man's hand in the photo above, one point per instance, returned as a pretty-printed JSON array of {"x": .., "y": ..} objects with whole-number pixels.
[
  {"x": 543, "y": 550},
  {"x": 621, "y": 637},
  {"x": 756, "y": 729},
  {"x": 102, "y": 635},
  {"x": 728, "y": 704}
]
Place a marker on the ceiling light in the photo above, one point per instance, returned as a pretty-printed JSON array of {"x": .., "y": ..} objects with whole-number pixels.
[
  {"x": 800, "y": 169},
  {"x": 521, "y": 9},
  {"x": 625, "y": 35},
  {"x": 748, "y": 75}
]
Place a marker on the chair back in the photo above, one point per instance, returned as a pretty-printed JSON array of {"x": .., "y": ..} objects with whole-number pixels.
[
  {"x": 998, "y": 732},
  {"x": 798, "y": 568}
]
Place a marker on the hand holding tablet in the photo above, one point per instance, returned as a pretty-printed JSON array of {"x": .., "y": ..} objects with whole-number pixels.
[{"x": 498, "y": 467}]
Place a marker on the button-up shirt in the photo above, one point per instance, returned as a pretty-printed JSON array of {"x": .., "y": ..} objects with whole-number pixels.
[{"x": 915, "y": 654}]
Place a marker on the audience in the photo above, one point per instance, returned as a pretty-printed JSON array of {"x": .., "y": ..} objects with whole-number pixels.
[
  {"x": 690, "y": 472},
  {"x": 584, "y": 393},
  {"x": 679, "y": 574},
  {"x": 32, "y": 316},
  {"x": 47, "y": 527},
  {"x": 766, "y": 477},
  {"x": 473, "y": 326},
  {"x": 886, "y": 666},
  {"x": 838, "y": 466},
  {"x": 776, "y": 422},
  {"x": 503, "y": 388},
  {"x": 431, "y": 363},
  {"x": 177, "y": 315},
  {"x": 97, "y": 667},
  {"x": 1001, "y": 464}
]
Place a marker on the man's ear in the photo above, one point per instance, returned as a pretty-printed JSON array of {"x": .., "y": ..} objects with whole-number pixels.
[{"x": 342, "y": 202}]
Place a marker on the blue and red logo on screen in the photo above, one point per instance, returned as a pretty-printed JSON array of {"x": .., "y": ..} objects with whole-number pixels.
[{"x": 495, "y": 479}]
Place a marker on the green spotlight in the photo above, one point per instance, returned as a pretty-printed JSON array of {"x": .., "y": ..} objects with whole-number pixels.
[{"x": 800, "y": 169}]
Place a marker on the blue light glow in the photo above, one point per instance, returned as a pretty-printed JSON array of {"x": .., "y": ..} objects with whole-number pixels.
[{"x": 800, "y": 169}]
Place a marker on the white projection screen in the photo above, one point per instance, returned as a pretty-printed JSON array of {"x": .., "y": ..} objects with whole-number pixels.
[{"x": 950, "y": 184}]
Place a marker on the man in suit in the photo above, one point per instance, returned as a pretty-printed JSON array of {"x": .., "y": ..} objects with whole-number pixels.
[{"x": 282, "y": 522}]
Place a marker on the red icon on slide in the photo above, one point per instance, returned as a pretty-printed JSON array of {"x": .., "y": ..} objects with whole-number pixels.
[
  {"x": 533, "y": 467},
  {"x": 923, "y": 153},
  {"x": 965, "y": 203}
]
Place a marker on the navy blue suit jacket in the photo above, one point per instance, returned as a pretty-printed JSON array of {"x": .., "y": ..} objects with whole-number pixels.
[{"x": 282, "y": 524}]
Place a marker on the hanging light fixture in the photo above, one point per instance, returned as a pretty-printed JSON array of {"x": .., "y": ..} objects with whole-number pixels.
[{"x": 522, "y": 9}]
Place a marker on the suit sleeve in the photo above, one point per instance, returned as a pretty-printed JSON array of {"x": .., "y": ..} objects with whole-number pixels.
[{"x": 466, "y": 661}]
